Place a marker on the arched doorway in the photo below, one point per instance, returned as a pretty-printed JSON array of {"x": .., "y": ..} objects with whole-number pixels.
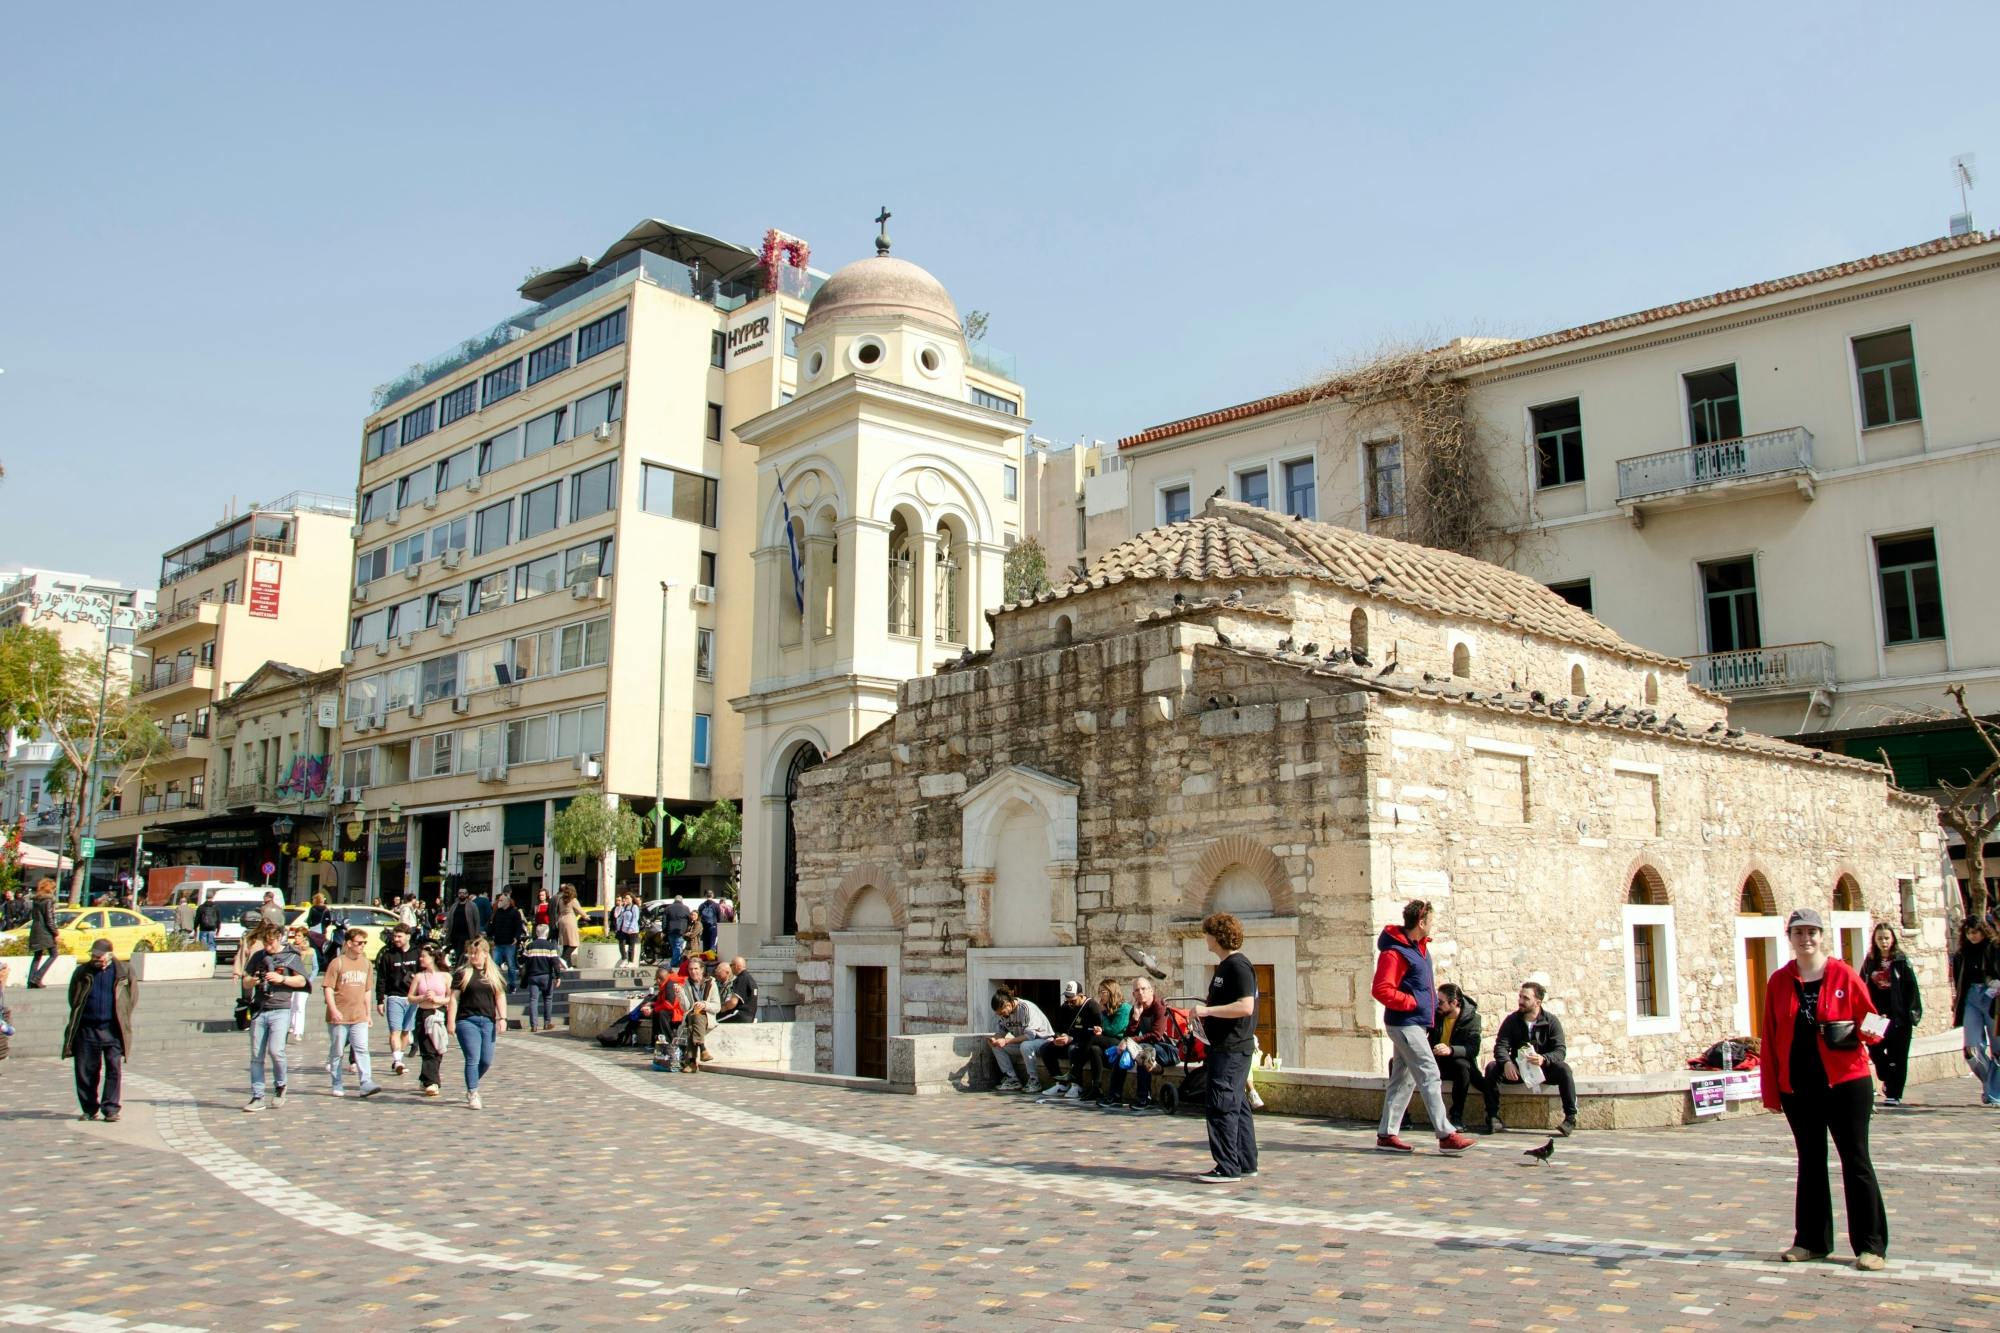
[{"x": 806, "y": 757}]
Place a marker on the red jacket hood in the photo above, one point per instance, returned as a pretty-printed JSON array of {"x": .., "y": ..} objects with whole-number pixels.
[{"x": 1394, "y": 935}]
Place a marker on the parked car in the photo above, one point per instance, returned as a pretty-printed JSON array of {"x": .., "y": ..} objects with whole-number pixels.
[
  {"x": 236, "y": 900},
  {"x": 77, "y": 928},
  {"x": 376, "y": 921}
]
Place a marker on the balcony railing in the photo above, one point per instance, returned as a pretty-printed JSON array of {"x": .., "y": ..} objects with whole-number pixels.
[
  {"x": 1770, "y": 454},
  {"x": 173, "y": 800},
  {"x": 192, "y": 608},
  {"x": 1785, "y": 668},
  {"x": 166, "y": 676},
  {"x": 992, "y": 360}
]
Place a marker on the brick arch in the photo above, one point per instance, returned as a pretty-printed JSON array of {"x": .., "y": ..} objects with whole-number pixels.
[
  {"x": 1653, "y": 873},
  {"x": 868, "y": 875},
  {"x": 1755, "y": 890},
  {"x": 1847, "y": 895},
  {"x": 1235, "y": 850}
]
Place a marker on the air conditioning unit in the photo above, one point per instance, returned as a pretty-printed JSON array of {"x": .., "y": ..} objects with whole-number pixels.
[
  {"x": 361, "y": 724},
  {"x": 416, "y": 711},
  {"x": 356, "y": 530},
  {"x": 395, "y": 517},
  {"x": 590, "y": 590},
  {"x": 454, "y": 557},
  {"x": 405, "y": 640},
  {"x": 360, "y": 592},
  {"x": 586, "y": 765},
  {"x": 461, "y": 703},
  {"x": 412, "y": 571},
  {"x": 354, "y": 794},
  {"x": 382, "y": 648},
  {"x": 492, "y": 775},
  {"x": 336, "y": 795},
  {"x": 430, "y": 502},
  {"x": 603, "y": 432},
  {"x": 347, "y": 657},
  {"x": 704, "y": 594},
  {"x": 447, "y": 626},
  {"x": 473, "y": 483},
  {"x": 380, "y": 721},
  {"x": 510, "y": 697}
]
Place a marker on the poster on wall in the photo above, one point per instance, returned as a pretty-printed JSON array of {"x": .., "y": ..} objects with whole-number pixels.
[
  {"x": 1707, "y": 1091},
  {"x": 264, "y": 576}
]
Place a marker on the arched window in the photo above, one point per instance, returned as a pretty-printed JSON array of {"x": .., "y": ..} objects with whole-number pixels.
[
  {"x": 1649, "y": 951},
  {"x": 1847, "y": 895},
  {"x": 1357, "y": 631},
  {"x": 823, "y": 572},
  {"x": 791, "y": 615},
  {"x": 804, "y": 759},
  {"x": 950, "y": 620},
  {"x": 1755, "y": 897},
  {"x": 1647, "y": 888},
  {"x": 1652, "y": 688},
  {"x": 1461, "y": 660},
  {"x": 902, "y": 577},
  {"x": 1577, "y": 686},
  {"x": 1064, "y": 630}
]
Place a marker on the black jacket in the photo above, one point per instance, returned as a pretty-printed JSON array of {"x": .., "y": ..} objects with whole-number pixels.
[
  {"x": 393, "y": 969},
  {"x": 42, "y": 923},
  {"x": 1082, "y": 1019},
  {"x": 1465, "y": 1033},
  {"x": 1972, "y": 963},
  {"x": 507, "y": 926},
  {"x": 1545, "y": 1034},
  {"x": 1898, "y": 1000}
]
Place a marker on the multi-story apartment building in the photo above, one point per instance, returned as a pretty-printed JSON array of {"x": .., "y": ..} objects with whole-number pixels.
[
  {"x": 259, "y": 586},
  {"x": 1787, "y": 484},
  {"x": 79, "y": 610},
  {"x": 275, "y": 753},
  {"x": 553, "y": 590}
]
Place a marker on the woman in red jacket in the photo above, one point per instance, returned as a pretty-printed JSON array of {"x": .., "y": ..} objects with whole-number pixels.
[{"x": 1815, "y": 1070}]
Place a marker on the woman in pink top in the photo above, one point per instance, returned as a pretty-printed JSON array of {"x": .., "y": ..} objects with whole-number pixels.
[{"x": 430, "y": 991}]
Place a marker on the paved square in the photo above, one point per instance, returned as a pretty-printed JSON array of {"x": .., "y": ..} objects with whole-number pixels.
[{"x": 592, "y": 1192}]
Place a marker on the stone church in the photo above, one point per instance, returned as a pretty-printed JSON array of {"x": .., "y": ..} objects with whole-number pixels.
[{"x": 1302, "y": 724}]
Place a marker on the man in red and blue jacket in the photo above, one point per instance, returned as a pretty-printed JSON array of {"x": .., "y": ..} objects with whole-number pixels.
[{"x": 1405, "y": 989}]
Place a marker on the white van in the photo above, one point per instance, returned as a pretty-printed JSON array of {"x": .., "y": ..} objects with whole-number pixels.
[{"x": 234, "y": 899}]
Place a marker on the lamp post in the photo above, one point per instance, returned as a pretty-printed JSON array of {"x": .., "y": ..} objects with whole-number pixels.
[
  {"x": 660, "y": 753},
  {"x": 282, "y": 826},
  {"x": 91, "y": 796}
]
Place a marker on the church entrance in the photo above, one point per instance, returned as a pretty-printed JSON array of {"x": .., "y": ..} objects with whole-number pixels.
[
  {"x": 804, "y": 759},
  {"x": 871, "y": 1022}
]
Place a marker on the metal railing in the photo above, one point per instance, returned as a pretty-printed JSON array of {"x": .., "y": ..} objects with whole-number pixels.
[
  {"x": 1768, "y": 454},
  {"x": 173, "y": 800},
  {"x": 246, "y": 793},
  {"x": 191, "y": 607},
  {"x": 166, "y": 676},
  {"x": 308, "y": 502},
  {"x": 1785, "y": 668}
]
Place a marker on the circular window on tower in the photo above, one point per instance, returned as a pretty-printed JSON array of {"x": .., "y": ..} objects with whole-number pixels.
[
  {"x": 815, "y": 362},
  {"x": 930, "y": 360},
  {"x": 866, "y": 353}
]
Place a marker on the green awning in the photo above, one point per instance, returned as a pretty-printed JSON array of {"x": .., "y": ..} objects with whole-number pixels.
[{"x": 521, "y": 824}]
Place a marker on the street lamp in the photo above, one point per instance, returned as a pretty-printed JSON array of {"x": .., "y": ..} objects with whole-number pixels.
[
  {"x": 283, "y": 826},
  {"x": 660, "y": 752},
  {"x": 87, "y": 854}
]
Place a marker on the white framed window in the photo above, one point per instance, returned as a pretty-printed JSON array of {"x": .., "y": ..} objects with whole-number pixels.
[
  {"x": 1173, "y": 501},
  {"x": 704, "y": 654},
  {"x": 1652, "y": 980},
  {"x": 1253, "y": 486}
]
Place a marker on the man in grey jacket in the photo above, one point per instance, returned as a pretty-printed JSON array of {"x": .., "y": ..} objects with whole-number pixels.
[{"x": 1020, "y": 1032}]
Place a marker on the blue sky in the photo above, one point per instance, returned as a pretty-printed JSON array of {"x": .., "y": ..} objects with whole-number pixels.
[{"x": 224, "y": 224}]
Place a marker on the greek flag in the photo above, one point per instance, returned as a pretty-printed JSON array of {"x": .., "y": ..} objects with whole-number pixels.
[{"x": 792, "y": 546}]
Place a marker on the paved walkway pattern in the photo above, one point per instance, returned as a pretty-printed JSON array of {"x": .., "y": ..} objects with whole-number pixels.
[{"x": 593, "y": 1192}]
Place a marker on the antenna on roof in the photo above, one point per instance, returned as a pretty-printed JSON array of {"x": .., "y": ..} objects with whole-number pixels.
[{"x": 1964, "y": 175}]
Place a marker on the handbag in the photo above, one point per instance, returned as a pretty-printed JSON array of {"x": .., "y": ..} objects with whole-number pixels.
[
  {"x": 1839, "y": 1035},
  {"x": 242, "y": 1013}
]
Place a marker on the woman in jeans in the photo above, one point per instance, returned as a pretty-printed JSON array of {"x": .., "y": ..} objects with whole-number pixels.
[
  {"x": 430, "y": 992},
  {"x": 42, "y": 932},
  {"x": 478, "y": 1012},
  {"x": 1815, "y": 1070},
  {"x": 1975, "y": 967},
  {"x": 1892, "y": 989}
]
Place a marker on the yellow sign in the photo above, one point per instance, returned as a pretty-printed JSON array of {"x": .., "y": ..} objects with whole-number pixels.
[{"x": 647, "y": 862}]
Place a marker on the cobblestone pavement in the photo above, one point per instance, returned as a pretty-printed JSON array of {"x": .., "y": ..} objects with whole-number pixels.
[{"x": 592, "y": 1192}]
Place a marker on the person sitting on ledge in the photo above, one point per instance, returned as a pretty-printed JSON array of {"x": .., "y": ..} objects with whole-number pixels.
[
  {"x": 1530, "y": 1036},
  {"x": 1149, "y": 1041},
  {"x": 1068, "y": 1054},
  {"x": 1454, "y": 1039},
  {"x": 1019, "y": 1036},
  {"x": 1105, "y": 1038}
]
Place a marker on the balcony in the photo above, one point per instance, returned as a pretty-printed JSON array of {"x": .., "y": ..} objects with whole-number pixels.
[
  {"x": 1753, "y": 464},
  {"x": 167, "y": 804},
  {"x": 1785, "y": 668},
  {"x": 178, "y": 737},
  {"x": 172, "y": 676},
  {"x": 186, "y": 615}
]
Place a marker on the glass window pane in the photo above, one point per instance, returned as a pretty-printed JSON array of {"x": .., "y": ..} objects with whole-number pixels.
[
  {"x": 1254, "y": 488},
  {"x": 596, "y": 410},
  {"x": 546, "y": 361},
  {"x": 501, "y": 383},
  {"x": 495, "y": 527},
  {"x": 499, "y": 451},
  {"x": 600, "y": 335},
  {"x": 590, "y": 729},
  {"x": 538, "y": 576},
  {"x": 590, "y": 491},
  {"x": 597, "y": 641},
  {"x": 544, "y": 432},
  {"x": 538, "y": 510},
  {"x": 460, "y": 402}
]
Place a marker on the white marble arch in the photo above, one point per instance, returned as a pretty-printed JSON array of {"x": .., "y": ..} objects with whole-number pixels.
[
  {"x": 983, "y": 812},
  {"x": 894, "y": 489}
]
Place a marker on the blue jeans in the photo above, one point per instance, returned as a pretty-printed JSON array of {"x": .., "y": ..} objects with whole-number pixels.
[
  {"x": 505, "y": 955},
  {"x": 475, "y": 1039},
  {"x": 675, "y": 948},
  {"x": 207, "y": 939},
  {"x": 340, "y": 1038},
  {"x": 1978, "y": 1022},
  {"x": 267, "y": 1034},
  {"x": 542, "y": 995},
  {"x": 1025, "y": 1052}
]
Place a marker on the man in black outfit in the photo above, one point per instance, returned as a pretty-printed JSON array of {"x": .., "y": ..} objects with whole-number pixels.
[
  {"x": 1455, "y": 1042},
  {"x": 1228, "y": 1018},
  {"x": 1531, "y": 1035},
  {"x": 102, "y": 995},
  {"x": 1067, "y": 1055}
]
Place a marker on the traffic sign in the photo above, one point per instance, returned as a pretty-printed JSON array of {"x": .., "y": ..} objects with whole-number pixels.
[
  {"x": 647, "y": 862},
  {"x": 87, "y": 849}
]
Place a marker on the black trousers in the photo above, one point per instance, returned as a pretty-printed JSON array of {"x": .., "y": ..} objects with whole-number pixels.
[
  {"x": 1232, "y": 1131},
  {"x": 1842, "y": 1112},
  {"x": 1891, "y": 1057},
  {"x": 1555, "y": 1071},
  {"x": 1461, "y": 1075},
  {"x": 430, "y": 1067},
  {"x": 100, "y": 1069}
]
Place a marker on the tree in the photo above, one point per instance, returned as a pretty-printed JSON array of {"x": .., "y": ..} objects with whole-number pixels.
[
  {"x": 716, "y": 833},
  {"x": 1025, "y": 573},
  {"x": 25, "y": 651},
  {"x": 1973, "y": 810},
  {"x": 592, "y": 826},
  {"x": 68, "y": 697},
  {"x": 974, "y": 325}
]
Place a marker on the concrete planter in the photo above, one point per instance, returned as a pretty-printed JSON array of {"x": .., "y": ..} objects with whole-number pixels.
[
  {"x": 56, "y": 978},
  {"x": 196, "y": 965},
  {"x": 590, "y": 957}
]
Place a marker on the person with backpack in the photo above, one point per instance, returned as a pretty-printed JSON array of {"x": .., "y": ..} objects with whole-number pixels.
[
  {"x": 541, "y": 969},
  {"x": 1404, "y": 989},
  {"x": 710, "y": 913},
  {"x": 207, "y": 923},
  {"x": 625, "y": 925},
  {"x": 1892, "y": 988}
]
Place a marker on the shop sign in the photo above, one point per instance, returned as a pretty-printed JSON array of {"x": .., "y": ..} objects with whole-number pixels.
[
  {"x": 478, "y": 830},
  {"x": 749, "y": 340},
  {"x": 265, "y": 574}
]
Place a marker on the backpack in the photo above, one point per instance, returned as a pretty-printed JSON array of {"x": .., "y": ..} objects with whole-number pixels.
[{"x": 1188, "y": 1042}]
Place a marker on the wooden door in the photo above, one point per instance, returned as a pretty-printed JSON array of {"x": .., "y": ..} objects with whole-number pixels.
[
  {"x": 1757, "y": 979},
  {"x": 1267, "y": 1008},
  {"x": 871, "y": 1022}
]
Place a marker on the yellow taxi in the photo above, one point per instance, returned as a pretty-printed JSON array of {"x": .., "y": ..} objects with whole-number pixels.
[
  {"x": 375, "y": 922},
  {"x": 77, "y": 928}
]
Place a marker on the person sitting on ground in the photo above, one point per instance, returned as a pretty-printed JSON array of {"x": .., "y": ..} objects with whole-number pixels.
[
  {"x": 1147, "y": 1047},
  {"x": 1530, "y": 1036},
  {"x": 1455, "y": 1041},
  {"x": 1068, "y": 1054},
  {"x": 1018, "y": 1036}
]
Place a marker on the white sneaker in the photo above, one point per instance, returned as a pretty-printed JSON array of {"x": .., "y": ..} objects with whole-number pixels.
[
  {"x": 1075, "y": 1093},
  {"x": 338, "y": 1092},
  {"x": 472, "y": 1100},
  {"x": 1008, "y": 1085}
]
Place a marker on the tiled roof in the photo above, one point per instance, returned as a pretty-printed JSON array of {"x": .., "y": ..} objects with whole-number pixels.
[
  {"x": 1230, "y": 541},
  {"x": 1497, "y": 351}
]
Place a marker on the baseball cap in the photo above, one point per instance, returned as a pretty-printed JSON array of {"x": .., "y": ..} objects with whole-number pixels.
[
  {"x": 1071, "y": 988},
  {"x": 1805, "y": 916},
  {"x": 100, "y": 947}
]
